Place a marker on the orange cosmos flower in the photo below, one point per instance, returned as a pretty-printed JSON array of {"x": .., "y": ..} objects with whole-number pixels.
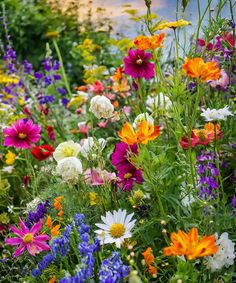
[
  {"x": 118, "y": 74},
  {"x": 147, "y": 132},
  {"x": 143, "y": 42},
  {"x": 196, "y": 68},
  {"x": 127, "y": 134},
  {"x": 121, "y": 86},
  {"x": 144, "y": 133},
  {"x": 149, "y": 259},
  {"x": 190, "y": 246}
]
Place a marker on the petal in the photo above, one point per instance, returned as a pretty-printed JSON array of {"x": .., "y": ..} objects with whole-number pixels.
[
  {"x": 103, "y": 226},
  {"x": 17, "y": 231},
  {"x": 23, "y": 227},
  {"x": 37, "y": 227},
  {"x": 19, "y": 250},
  {"x": 14, "y": 241},
  {"x": 41, "y": 245},
  {"x": 42, "y": 237}
]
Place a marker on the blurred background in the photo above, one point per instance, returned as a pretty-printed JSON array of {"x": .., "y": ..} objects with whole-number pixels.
[{"x": 97, "y": 32}]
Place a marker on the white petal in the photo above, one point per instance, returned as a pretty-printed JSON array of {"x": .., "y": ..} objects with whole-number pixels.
[{"x": 103, "y": 226}]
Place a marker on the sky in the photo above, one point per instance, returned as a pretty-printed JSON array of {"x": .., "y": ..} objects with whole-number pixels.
[{"x": 165, "y": 9}]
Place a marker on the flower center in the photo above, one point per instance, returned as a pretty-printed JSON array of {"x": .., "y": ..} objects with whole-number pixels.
[
  {"x": 127, "y": 175},
  {"x": 28, "y": 238},
  {"x": 117, "y": 230},
  {"x": 201, "y": 134},
  {"x": 139, "y": 61},
  {"x": 68, "y": 151},
  {"x": 22, "y": 135}
]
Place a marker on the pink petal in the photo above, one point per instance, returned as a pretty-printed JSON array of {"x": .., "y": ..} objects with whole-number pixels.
[
  {"x": 36, "y": 228},
  {"x": 17, "y": 231},
  {"x": 14, "y": 241},
  {"x": 23, "y": 227},
  {"x": 42, "y": 237},
  {"x": 41, "y": 245},
  {"x": 33, "y": 249},
  {"x": 19, "y": 250}
]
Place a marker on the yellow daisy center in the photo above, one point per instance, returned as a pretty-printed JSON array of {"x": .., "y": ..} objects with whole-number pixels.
[
  {"x": 139, "y": 61},
  {"x": 22, "y": 135},
  {"x": 28, "y": 238},
  {"x": 68, "y": 151},
  {"x": 127, "y": 175},
  {"x": 117, "y": 230}
]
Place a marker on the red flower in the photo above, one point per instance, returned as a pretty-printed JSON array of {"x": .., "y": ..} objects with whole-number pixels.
[{"x": 42, "y": 152}]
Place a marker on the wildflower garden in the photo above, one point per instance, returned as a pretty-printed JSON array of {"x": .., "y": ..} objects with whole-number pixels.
[{"x": 117, "y": 154}]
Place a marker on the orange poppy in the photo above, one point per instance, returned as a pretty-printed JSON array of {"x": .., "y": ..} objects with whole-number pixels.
[
  {"x": 57, "y": 202},
  {"x": 55, "y": 230},
  {"x": 121, "y": 86},
  {"x": 53, "y": 279},
  {"x": 127, "y": 134},
  {"x": 197, "y": 68},
  {"x": 190, "y": 246},
  {"x": 60, "y": 213},
  {"x": 149, "y": 259},
  {"x": 49, "y": 222}
]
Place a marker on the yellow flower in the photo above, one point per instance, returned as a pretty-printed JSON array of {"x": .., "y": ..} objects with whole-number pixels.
[
  {"x": 21, "y": 101},
  {"x": 94, "y": 198},
  {"x": 52, "y": 34},
  {"x": 5, "y": 79},
  {"x": 164, "y": 24},
  {"x": 10, "y": 158}
]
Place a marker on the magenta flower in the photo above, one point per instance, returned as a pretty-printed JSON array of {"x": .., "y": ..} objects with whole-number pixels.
[
  {"x": 127, "y": 179},
  {"x": 28, "y": 239},
  {"x": 22, "y": 134},
  {"x": 137, "y": 64},
  {"x": 121, "y": 159}
]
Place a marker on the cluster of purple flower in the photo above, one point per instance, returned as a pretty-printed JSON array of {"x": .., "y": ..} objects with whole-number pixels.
[
  {"x": 34, "y": 216},
  {"x": 113, "y": 270},
  {"x": 61, "y": 247},
  {"x": 207, "y": 173}
]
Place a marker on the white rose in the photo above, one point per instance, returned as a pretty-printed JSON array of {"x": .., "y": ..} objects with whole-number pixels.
[
  {"x": 101, "y": 107},
  {"x": 224, "y": 256},
  {"x": 89, "y": 146},
  {"x": 143, "y": 117},
  {"x": 66, "y": 149},
  {"x": 70, "y": 169}
]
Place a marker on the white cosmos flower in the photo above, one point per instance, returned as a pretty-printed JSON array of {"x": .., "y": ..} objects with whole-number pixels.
[
  {"x": 66, "y": 149},
  {"x": 115, "y": 228},
  {"x": 225, "y": 255},
  {"x": 216, "y": 114},
  {"x": 101, "y": 107},
  {"x": 70, "y": 169},
  {"x": 91, "y": 147},
  {"x": 158, "y": 101},
  {"x": 143, "y": 117}
]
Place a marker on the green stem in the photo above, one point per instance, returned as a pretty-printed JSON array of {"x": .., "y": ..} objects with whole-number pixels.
[{"x": 62, "y": 67}]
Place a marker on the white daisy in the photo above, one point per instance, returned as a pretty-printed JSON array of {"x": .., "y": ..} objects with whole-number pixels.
[
  {"x": 216, "y": 114},
  {"x": 115, "y": 228}
]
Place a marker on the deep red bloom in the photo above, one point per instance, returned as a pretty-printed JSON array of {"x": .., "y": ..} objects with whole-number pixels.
[
  {"x": 42, "y": 152},
  {"x": 51, "y": 133}
]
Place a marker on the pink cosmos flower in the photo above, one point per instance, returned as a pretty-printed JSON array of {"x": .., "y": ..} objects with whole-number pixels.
[
  {"x": 103, "y": 124},
  {"x": 137, "y": 64},
  {"x": 22, "y": 134},
  {"x": 28, "y": 239}
]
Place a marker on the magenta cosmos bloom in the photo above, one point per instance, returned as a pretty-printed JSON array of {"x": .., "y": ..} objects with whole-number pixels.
[
  {"x": 22, "y": 134},
  {"x": 128, "y": 174},
  {"x": 28, "y": 239},
  {"x": 137, "y": 64}
]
